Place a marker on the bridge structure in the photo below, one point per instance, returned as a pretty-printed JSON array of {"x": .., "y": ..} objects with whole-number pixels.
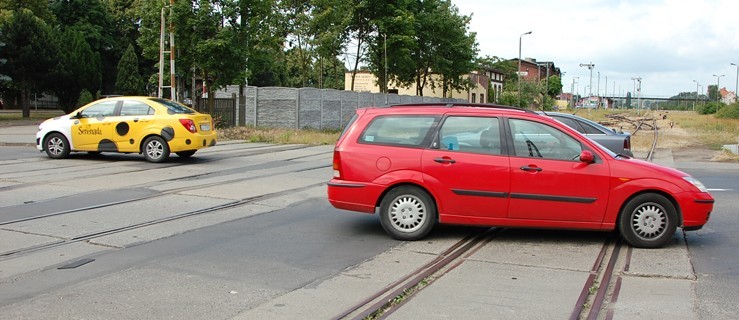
[
  {"x": 645, "y": 102},
  {"x": 700, "y": 99}
]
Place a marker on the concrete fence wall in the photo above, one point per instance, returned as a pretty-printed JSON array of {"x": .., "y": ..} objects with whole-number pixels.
[{"x": 308, "y": 107}]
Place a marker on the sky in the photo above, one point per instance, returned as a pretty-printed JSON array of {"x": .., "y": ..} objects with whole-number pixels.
[{"x": 668, "y": 44}]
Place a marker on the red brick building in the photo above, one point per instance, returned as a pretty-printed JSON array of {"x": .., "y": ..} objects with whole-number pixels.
[{"x": 537, "y": 71}]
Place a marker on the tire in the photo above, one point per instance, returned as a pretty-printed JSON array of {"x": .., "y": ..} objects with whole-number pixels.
[
  {"x": 56, "y": 146},
  {"x": 407, "y": 213},
  {"x": 155, "y": 149},
  {"x": 185, "y": 154},
  {"x": 648, "y": 221}
]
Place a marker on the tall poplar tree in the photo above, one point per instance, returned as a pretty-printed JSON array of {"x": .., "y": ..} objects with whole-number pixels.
[
  {"x": 78, "y": 68},
  {"x": 128, "y": 80}
]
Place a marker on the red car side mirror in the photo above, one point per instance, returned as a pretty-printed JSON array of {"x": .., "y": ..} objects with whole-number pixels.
[{"x": 587, "y": 156}]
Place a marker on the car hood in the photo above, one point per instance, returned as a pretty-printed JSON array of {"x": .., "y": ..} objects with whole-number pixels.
[{"x": 639, "y": 169}]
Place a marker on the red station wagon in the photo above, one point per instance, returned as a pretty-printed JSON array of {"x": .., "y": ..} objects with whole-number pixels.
[{"x": 502, "y": 166}]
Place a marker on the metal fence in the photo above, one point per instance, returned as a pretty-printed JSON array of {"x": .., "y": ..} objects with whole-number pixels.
[{"x": 224, "y": 110}]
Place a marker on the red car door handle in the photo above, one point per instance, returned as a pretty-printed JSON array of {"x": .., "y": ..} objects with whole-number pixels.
[
  {"x": 524, "y": 168},
  {"x": 445, "y": 160}
]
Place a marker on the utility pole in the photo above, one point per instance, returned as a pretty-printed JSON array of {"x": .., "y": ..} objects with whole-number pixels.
[
  {"x": 605, "y": 91},
  {"x": 638, "y": 92},
  {"x": 518, "y": 72},
  {"x": 162, "y": 31}
]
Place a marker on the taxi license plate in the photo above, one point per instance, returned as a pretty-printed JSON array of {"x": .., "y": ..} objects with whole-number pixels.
[{"x": 205, "y": 127}]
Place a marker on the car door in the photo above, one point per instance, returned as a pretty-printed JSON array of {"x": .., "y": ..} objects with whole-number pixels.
[
  {"x": 135, "y": 117},
  {"x": 92, "y": 128},
  {"x": 466, "y": 168},
  {"x": 548, "y": 182}
]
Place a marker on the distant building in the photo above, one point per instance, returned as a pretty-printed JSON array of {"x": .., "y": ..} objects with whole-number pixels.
[
  {"x": 532, "y": 70},
  {"x": 497, "y": 77},
  {"x": 727, "y": 97},
  {"x": 365, "y": 81}
]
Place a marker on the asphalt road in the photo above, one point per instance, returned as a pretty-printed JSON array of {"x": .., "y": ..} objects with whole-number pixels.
[
  {"x": 714, "y": 250},
  {"x": 273, "y": 234}
]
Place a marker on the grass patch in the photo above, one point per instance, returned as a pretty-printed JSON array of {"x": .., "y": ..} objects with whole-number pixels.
[
  {"x": 680, "y": 129},
  {"x": 280, "y": 136}
]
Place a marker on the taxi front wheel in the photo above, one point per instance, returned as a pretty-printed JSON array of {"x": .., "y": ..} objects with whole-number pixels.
[
  {"x": 56, "y": 146},
  {"x": 156, "y": 149}
]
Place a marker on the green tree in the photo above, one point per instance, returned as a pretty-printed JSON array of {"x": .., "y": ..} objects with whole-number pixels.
[
  {"x": 4, "y": 79},
  {"x": 262, "y": 38},
  {"x": 360, "y": 29},
  {"x": 713, "y": 93},
  {"x": 456, "y": 52},
  {"x": 78, "y": 68},
  {"x": 30, "y": 54},
  {"x": 94, "y": 21},
  {"x": 129, "y": 81},
  {"x": 300, "y": 39},
  {"x": 39, "y": 8},
  {"x": 85, "y": 98},
  {"x": 554, "y": 84},
  {"x": 330, "y": 25},
  {"x": 208, "y": 29},
  {"x": 126, "y": 31}
]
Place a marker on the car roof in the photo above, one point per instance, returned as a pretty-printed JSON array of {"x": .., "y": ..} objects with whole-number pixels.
[
  {"x": 441, "y": 108},
  {"x": 581, "y": 119}
]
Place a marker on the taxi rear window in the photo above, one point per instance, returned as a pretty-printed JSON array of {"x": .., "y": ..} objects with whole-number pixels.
[{"x": 174, "y": 107}]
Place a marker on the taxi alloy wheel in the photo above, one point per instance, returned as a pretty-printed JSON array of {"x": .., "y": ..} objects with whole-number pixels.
[
  {"x": 648, "y": 221},
  {"x": 56, "y": 146},
  {"x": 156, "y": 149},
  {"x": 407, "y": 213}
]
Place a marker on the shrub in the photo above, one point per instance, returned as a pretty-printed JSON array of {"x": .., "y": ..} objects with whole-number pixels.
[
  {"x": 85, "y": 98},
  {"x": 728, "y": 112},
  {"x": 708, "y": 108}
]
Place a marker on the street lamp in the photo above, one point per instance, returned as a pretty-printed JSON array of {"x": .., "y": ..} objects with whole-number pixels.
[
  {"x": 736, "y": 87},
  {"x": 572, "y": 91},
  {"x": 696, "y": 93},
  {"x": 718, "y": 86},
  {"x": 518, "y": 72}
]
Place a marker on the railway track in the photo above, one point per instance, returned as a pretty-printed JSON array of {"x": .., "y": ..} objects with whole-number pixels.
[
  {"x": 240, "y": 174},
  {"x": 100, "y": 233}
]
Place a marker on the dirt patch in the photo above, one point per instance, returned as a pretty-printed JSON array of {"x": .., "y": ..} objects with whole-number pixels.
[{"x": 684, "y": 144}]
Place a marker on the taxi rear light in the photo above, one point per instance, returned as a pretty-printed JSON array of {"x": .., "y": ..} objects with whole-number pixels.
[{"x": 189, "y": 125}]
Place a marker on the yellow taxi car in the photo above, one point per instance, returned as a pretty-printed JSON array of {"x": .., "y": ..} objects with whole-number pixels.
[{"x": 152, "y": 126}]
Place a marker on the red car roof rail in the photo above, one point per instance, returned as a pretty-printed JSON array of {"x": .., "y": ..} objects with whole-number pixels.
[{"x": 460, "y": 104}]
